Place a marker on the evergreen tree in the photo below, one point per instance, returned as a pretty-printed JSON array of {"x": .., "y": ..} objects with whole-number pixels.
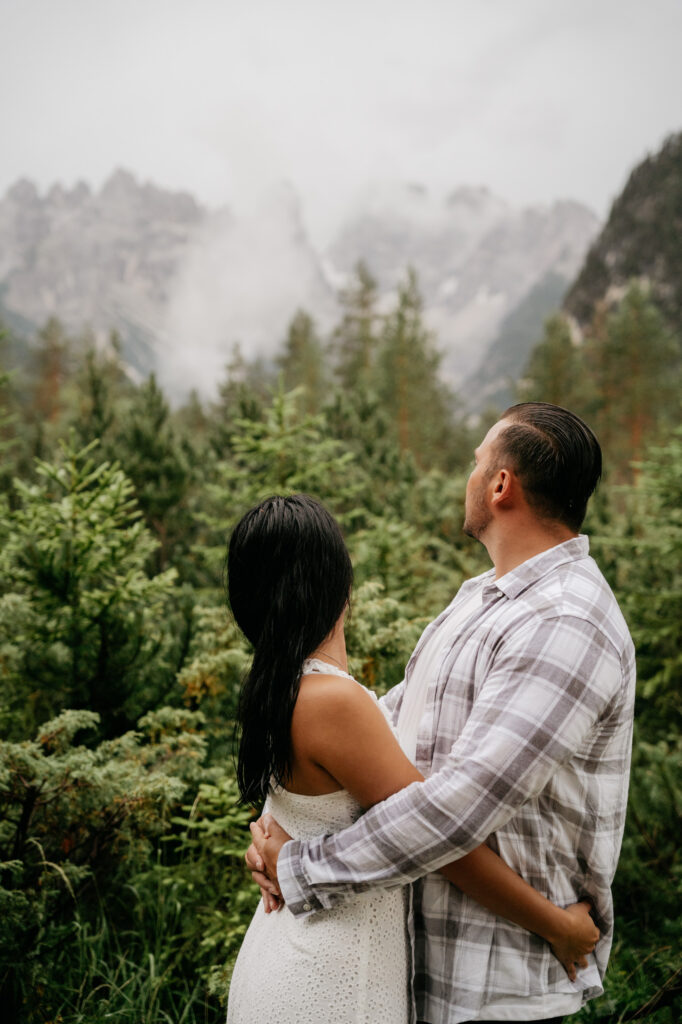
[
  {"x": 635, "y": 364},
  {"x": 160, "y": 467},
  {"x": 243, "y": 395},
  {"x": 554, "y": 372},
  {"x": 407, "y": 379},
  {"x": 101, "y": 385},
  {"x": 302, "y": 363},
  {"x": 49, "y": 370},
  {"x": 81, "y": 623},
  {"x": 642, "y": 550},
  {"x": 354, "y": 341}
]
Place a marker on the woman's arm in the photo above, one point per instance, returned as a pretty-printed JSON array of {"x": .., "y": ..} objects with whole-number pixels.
[
  {"x": 339, "y": 727},
  {"x": 486, "y": 878}
]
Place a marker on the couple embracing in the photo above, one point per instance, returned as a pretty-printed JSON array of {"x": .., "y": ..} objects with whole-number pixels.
[{"x": 445, "y": 854}]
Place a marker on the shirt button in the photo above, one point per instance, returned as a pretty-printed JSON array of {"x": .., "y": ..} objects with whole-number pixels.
[{"x": 306, "y": 906}]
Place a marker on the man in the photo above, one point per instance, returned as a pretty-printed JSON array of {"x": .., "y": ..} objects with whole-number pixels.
[{"x": 519, "y": 697}]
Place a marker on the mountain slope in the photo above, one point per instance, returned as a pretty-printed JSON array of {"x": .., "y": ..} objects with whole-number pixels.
[
  {"x": 641, "y": 239},
  {"x": 506, "y": 358},
  {"x": 477, "y": 258}
]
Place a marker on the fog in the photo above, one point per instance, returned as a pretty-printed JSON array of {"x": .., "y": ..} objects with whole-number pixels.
[{"x": 537, "y": 101}]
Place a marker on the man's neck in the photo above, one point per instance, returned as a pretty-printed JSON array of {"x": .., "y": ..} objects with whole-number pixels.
[{"x": 511, "y": 547}]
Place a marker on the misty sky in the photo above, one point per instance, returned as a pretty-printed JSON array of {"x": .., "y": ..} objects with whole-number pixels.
[{"x": 538, "y": 99}]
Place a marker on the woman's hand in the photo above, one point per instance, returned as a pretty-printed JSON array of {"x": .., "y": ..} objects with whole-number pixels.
[
  {"x": 579, "y": 937},
  {"x": 264, "y": 829}
]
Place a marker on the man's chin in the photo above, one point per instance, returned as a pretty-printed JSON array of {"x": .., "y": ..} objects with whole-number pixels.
[
  {"x": 475, "y": 530},
  {"x": 470, "y": 530}
]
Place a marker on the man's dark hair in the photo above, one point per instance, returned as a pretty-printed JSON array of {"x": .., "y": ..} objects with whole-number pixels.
[{"x": 555, "y": 455}]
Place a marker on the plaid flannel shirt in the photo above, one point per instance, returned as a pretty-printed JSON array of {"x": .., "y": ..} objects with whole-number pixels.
[{"x": 525, "y": 742}]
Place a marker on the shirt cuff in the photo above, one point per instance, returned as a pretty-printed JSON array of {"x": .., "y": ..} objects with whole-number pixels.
[{"x": 297, "y": 896}]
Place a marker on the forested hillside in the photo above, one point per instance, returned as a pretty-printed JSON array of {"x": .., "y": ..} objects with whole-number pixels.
[
  {"x": 122, "y": 886},
  {"x": 641, "y": 240}
]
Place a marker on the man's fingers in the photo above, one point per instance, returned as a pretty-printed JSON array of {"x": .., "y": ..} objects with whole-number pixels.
[{"x": 582, "y": 962}]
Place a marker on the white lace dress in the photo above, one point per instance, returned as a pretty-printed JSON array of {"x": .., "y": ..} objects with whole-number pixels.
[{"x": 343, "y": 966}]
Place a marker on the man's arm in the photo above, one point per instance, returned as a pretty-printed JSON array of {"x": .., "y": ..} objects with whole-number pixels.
[
  {"x": 480, "y": 874},
  {"x": 392, "y": 701},
  {"x": 550, "y": 684}
]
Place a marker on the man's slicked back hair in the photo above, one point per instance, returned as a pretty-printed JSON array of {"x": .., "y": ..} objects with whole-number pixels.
[{"x": 555, "y": 455}]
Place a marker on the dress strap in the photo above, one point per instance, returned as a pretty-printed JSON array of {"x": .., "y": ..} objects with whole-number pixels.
[{"x": 311, "y": 666}]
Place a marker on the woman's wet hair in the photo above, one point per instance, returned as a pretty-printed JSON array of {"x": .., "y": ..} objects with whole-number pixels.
[
  {"x": 289, "y": 577},
  {"x": 555, "y": 455}
]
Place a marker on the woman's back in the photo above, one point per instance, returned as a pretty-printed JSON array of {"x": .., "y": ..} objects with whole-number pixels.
[{"x": 347, "y": 965}]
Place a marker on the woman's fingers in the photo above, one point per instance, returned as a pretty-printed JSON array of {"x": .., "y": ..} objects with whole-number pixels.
[{"x": 254, "y": 861}]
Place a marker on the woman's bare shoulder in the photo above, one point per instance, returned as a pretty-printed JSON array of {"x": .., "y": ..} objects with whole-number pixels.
[
  {"x": 334, "y": 695},
  {"x": 338, "y": 725}
]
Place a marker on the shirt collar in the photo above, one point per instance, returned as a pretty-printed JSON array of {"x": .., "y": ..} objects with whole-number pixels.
[{"x": 515, "y": 582}]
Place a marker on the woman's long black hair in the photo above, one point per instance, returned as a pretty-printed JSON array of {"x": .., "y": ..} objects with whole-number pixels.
[{"x": 289, "y": 576}]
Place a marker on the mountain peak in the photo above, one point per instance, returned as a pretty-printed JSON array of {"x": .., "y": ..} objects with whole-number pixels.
[
  {"x": 120, "y": 183},
  {"x": 23, "y": 192}
]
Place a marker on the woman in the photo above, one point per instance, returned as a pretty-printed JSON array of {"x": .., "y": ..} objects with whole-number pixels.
[{"x": 316, "y": 745}]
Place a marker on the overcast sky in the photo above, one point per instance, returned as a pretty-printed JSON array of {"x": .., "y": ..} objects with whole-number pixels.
[{"x": 537, "y": 99}]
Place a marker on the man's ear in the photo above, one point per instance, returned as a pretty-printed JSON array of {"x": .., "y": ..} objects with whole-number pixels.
[{"x": 503, "y": 487}]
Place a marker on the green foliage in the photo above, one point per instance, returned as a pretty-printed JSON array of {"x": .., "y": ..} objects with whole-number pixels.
[
  {"x": 218, "y": 661},
  {"x": 302, "y": 362},
  {"x": 643, "y": 982},
  {"x": 355, "y": 339},
  {"x": 280, "y": 454},
  {"x": 72, "y": 816},
  {"x": 636, "y": 346},
  {"x": 624, "y": 378},
  {"x": 407, "y": 380},
  {"x": 159, "y": 464},
  {"x": 642, "y": 553},
  {"x": 554, "y": 373},
  {"x": 123, "y": 895},
  {"x": 81, "y": 622},
  {"x": 243, "y": 395},
  {"x": 101, "y": 385},
  {"x": 640, "y": 547}
]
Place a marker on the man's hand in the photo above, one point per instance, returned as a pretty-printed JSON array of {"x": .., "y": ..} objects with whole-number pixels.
[
  {"x": 580, "y": 938},
  {"x": 262, "y": 856}
]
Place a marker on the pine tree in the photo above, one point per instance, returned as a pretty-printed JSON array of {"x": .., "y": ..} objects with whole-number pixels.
[
  {"x": 407, "y": 379},
  {"x": 49, "y": 370},
  {"x": 302, "y": 363},
  {"x": 101, "y": 385},
  {"x": 638, "y": 377},
  {"x": 554, "y": 372},
  {"x": 81, "y": 623},
  {"x": 354, "y": 341},
  {"x": 243, "y": 395},
  {"x": 160, "y": 467}
]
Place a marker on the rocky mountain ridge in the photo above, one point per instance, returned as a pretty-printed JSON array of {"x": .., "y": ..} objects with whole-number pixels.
[
  {"x": 640, "y": 240},
  {"x": 477, "y": 258},
  {"x": 182, "y": 284}
]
